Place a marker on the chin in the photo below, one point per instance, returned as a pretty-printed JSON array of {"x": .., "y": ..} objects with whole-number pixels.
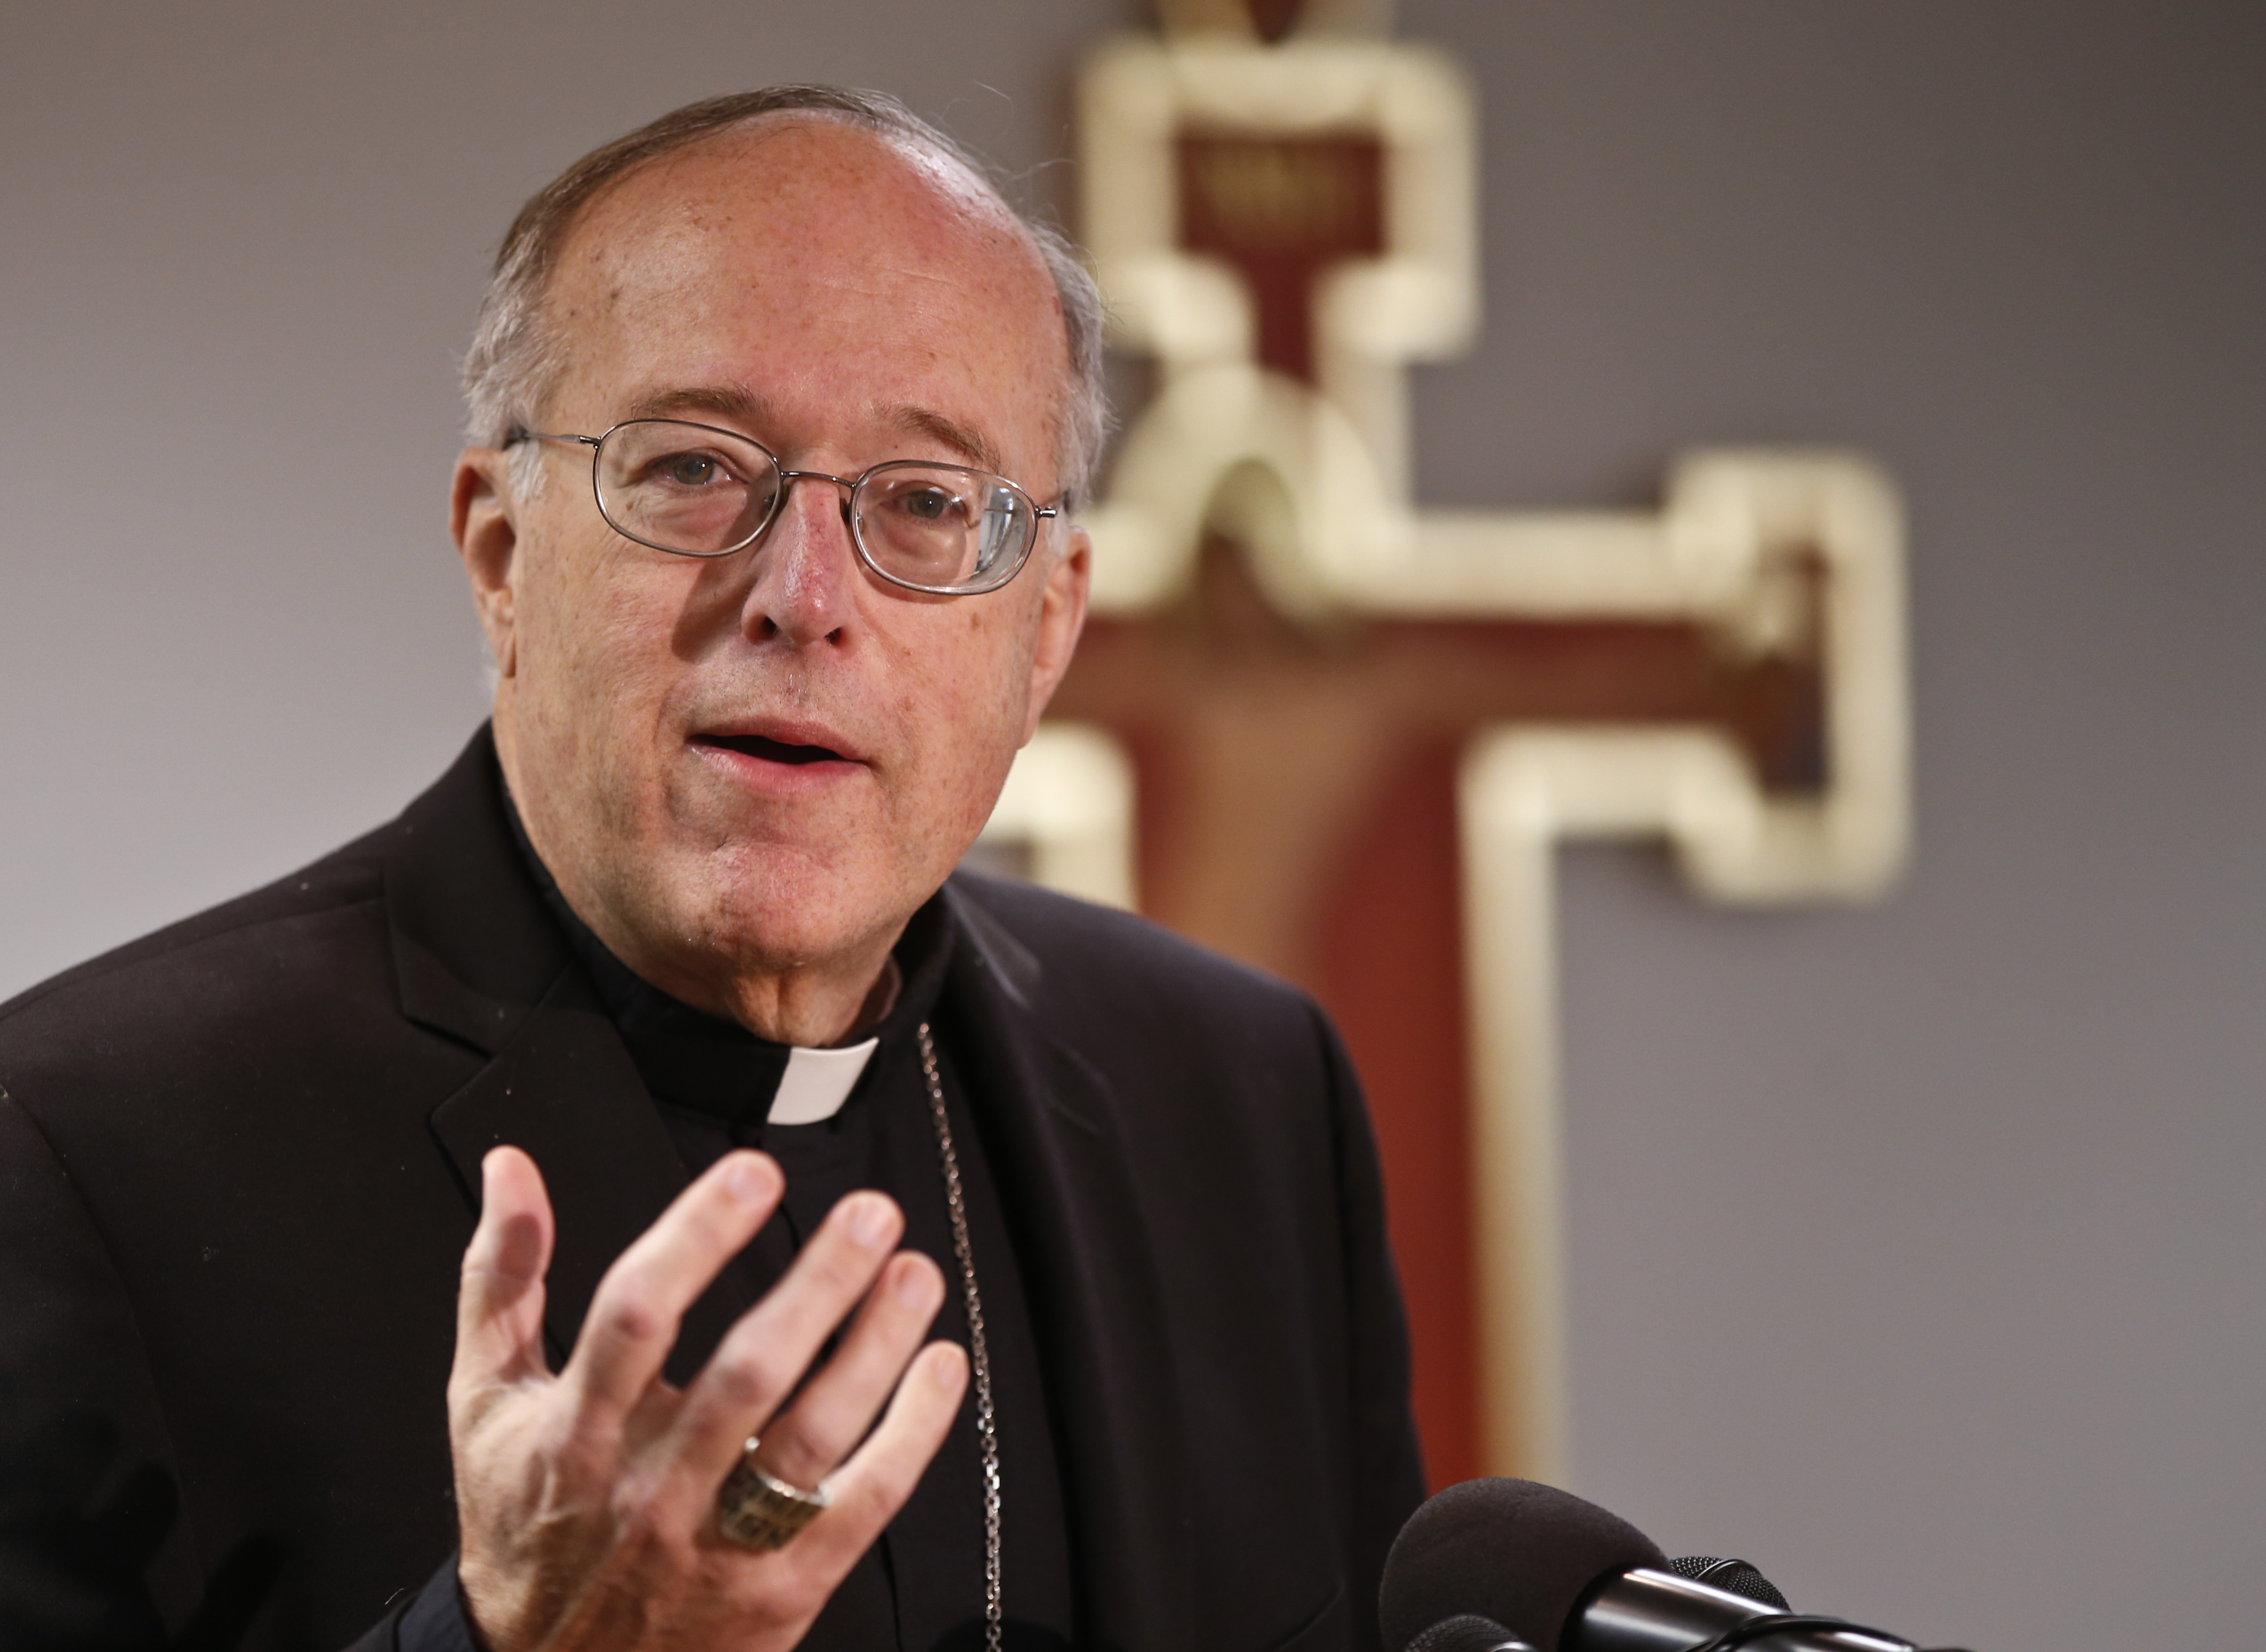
[{"x": 771, "y": 908}]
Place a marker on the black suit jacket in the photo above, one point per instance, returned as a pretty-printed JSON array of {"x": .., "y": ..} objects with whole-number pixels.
[{"x": 239, "y": 1165}]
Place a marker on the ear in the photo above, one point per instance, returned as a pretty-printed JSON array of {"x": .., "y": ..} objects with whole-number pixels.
[
  {"x": 1062, "y": 617},
  {"x": 480, "y": 520}
]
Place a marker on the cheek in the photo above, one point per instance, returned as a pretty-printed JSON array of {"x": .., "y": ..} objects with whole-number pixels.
[
  {"x": 595, "y": 660},
  {"x": 971, "y": 700}
]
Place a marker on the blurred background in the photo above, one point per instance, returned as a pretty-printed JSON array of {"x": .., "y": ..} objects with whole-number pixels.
[{"x": 1918, "y": 1251}]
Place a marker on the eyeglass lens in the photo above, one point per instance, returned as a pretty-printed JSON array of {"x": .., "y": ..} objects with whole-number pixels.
[{"x": 702, "y": 491}]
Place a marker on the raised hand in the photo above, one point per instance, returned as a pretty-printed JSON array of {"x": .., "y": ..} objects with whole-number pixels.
[{"x": 586, "y": 1498}]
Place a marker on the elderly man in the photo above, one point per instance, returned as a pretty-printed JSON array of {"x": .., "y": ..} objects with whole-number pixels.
[{"x": 664, "y": 1014}]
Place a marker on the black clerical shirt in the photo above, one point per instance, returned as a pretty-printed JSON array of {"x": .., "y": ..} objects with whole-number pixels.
[{"x": 920, "y": 1587}]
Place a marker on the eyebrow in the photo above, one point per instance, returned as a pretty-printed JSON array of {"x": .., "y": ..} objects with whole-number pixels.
[
  {"x": 731, "y": 401},
  {"x": 738, "y": 403},
  {"x": 964, "y": 438}
]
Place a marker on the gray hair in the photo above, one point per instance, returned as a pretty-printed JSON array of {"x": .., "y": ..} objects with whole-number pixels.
[{"x": 515, "y": 356}]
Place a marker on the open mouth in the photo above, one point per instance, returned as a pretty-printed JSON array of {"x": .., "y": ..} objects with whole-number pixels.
[{"x": 773, "y": 750}]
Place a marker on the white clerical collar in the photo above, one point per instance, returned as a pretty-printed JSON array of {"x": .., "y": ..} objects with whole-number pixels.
[{"x": 817, "y": 1082}]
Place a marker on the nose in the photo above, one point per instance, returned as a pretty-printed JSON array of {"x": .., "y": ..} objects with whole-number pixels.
[{"x": 807, "y": 573}]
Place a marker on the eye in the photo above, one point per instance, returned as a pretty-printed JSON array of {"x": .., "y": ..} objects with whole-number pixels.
[
  {"x": 927, "y": 504},
  {"x": 676, "y": 466},
  {"x": 691, "y": 470}
]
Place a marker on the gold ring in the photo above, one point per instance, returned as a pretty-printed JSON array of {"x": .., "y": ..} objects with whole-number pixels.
[{"x": 759, "y": 1510}]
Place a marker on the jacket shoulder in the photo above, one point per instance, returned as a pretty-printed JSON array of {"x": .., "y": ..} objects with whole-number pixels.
[
  {"x": 1075, "y": 954},
  {"x": 347, "y": 877}
]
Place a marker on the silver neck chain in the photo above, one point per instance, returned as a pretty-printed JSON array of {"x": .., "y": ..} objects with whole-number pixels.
[{"x": 979, "y": 1352}]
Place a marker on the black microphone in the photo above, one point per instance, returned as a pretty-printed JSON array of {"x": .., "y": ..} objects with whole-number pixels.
[
  {"x": 1470, "y": 1632},
  {"x": 1739, "y": 1577},
  {"x": 1540, "y": 1568}
]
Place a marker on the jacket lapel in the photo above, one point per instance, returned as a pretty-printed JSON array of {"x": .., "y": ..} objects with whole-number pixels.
[
  {"x": 477, "y": 957},
  {"x": 1081, "y": 1234},
  {"x": 564, "y": 1090}
]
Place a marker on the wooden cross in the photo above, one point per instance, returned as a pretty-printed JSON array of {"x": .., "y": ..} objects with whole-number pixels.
[
  {"x": 1296, "y": 808},
  {"x": 1298, "y": 666}
]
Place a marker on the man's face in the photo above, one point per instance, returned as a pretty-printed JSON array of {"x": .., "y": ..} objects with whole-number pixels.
[{"x": 844, "y": 303}]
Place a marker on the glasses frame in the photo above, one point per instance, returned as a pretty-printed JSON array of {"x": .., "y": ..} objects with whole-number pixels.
[{"x": 849, "y": 485}]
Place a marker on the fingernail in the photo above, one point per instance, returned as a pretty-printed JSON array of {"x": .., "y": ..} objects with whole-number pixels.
[
  {"x": 944, "y": 1371},
  {"x": 913, "y": 1286},
  {"x": 748, "y": 1180},
  {"x": 870, "y": 1218}
]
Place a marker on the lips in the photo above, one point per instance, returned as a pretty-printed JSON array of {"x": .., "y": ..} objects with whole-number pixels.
[
  {"x": 773, "y": 750},
  {"x": 766, "y": 751}
]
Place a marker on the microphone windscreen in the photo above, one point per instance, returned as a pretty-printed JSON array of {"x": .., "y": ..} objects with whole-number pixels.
[
  {"x": 1520, "y": 1553},
  {"x": 1733, "y": 1576},
  {"x": 1468, "y": 1633}
]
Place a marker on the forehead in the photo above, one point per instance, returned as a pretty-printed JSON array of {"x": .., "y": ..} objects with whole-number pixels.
[{"x": 807, "y": 261}]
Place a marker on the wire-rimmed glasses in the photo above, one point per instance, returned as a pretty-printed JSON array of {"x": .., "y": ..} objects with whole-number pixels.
[{"x": 697, "y": 491}]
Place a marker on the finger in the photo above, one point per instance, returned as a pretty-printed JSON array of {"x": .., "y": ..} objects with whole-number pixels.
[
  {"x": 835, "y": 1409},
  {"x": 764, "y": 1355},
  {"x": 500, "y": 1300},
  {"x": 870, "y": 1488},
  {"x": 635, "y": 1312}
]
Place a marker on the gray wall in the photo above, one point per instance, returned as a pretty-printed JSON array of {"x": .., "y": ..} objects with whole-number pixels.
[{"x": 1917, "y": 1250}]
